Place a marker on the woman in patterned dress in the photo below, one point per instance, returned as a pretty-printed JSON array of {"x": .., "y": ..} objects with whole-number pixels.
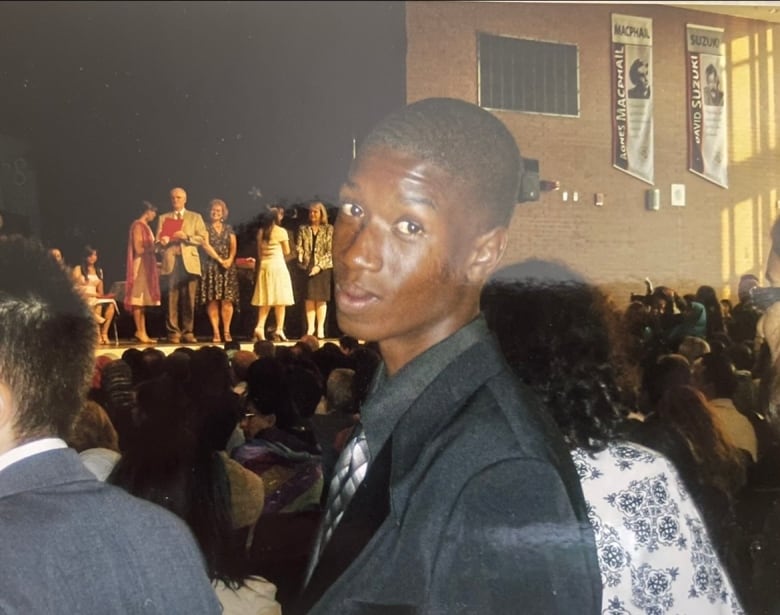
[
  {"x": 273, "y": 285},
  {"x": 142, "y": 279},
  {"x": 219, "y": 282},
  {"x": 654, "y": 550}
]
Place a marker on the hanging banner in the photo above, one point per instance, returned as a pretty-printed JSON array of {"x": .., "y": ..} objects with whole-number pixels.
[
  {"x": 707, "y": 148},
  {"x": 632, "y": 99}
]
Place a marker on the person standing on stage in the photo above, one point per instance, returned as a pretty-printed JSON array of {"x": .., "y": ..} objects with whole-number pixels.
[
  {"x": 314, "y": 247},
  {"x": 180, "y": 233},
  {"x": 219, "y": 285},
  {"x": 142, "y": 280},
  {"x": 273, "y": 284}
]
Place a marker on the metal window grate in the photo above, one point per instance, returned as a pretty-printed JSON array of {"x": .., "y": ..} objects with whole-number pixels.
[{"x": 527, "y": 75}]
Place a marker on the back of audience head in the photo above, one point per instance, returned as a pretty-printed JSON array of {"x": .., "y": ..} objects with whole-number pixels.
[
  {"x": 365, "y": 361},
  {"x": 268, "y": 393},
  {"x": 338, "y": 391},
  {"x": 298, "y": 349},
  {"x": 311, "y": 341},
  {"x": 715, "y": 376},
  {"x": 328, "y": 358},
  {"x": 718, "y": 341},
  {"x": 134, "y": 359},
  {"x": 118, "y": 389},
  {"x": 93, "y": 429},
  {"x": 163, "y": 408},
  {"x": 152, "y": 360},
  {"x": 177, "y": 366},
  {"x": 240, "y": 364},
  {"x": 692, "y": 347},
  {"x": 264, "y": 348},
  {"x": 668, "y": 372},
  {"x": 747, "y": 283},
  {"x": 100, "y": 362},
  {"x": 347, "y": 343},
  {"x": 741, "y": 355},
  {"x": 306, "y": 387},
  {"x": 570, "y": 349},
  {"x": 45, "y": 383},
  {"x": 209, "y": 372}
]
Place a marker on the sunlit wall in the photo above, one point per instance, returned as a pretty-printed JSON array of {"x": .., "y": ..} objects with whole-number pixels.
[{"x": 720, "y": 233}]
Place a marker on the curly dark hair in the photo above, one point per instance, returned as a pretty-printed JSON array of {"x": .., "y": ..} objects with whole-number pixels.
[{"x": 565, "y": 339}]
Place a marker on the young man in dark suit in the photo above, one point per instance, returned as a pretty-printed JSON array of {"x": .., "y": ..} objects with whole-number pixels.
[
  {"x": 465, "y": 499},
  {"x": 71, "y": 544}
]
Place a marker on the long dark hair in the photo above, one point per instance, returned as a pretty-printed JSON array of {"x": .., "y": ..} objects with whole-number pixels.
[
  {"x": 563, "y": 338},
  {"x": 84, "y": 266},
  {"x": 674, "y": 403},
  {"x": 172, "y": 464},
  {"x": 685, "y": 410},
  {"x": 267, "y": 222}
]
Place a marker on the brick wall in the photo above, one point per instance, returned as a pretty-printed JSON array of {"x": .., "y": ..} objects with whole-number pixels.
[{"x": 720, "y": 233}]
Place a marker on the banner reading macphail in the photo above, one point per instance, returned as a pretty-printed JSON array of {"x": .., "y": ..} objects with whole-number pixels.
[
  {"x": 707, "y": 148},
  {"x": 632, "y": 95}
]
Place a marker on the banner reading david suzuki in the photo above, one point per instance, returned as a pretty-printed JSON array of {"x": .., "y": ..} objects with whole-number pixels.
[
  {"x": 707, "y": 152},
  {"x": 632, "y": 95}
]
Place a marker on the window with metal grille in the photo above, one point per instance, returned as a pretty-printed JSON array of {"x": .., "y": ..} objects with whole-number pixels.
[{"x": 519, "y": 74}]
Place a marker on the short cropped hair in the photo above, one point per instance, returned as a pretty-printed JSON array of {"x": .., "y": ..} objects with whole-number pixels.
[
  {"x": 464, "y": 140},
  {"x": 47, "y": 340}
]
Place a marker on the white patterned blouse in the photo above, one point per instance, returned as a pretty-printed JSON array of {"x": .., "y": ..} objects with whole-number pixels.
[{"x": 654, "y": 553}]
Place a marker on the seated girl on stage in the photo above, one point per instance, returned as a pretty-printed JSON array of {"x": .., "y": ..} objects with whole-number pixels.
[{"x": 88, "y": 278}]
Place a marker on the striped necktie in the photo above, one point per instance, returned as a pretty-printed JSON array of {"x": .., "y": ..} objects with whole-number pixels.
[{"x": 349, "y": 472}]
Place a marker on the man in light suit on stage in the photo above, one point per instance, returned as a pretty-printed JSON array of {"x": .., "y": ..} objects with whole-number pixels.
[
  {"x": 70, "y": 543},
  {"x": 180, "y": 232}
]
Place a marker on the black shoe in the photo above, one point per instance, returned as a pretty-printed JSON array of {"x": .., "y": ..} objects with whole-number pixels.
[{"x": 189, "y": 338}]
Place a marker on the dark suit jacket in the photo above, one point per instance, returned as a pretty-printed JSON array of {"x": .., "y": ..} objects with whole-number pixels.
[
  {"x": 72, "y": 544},
  {"x": 473, "y": 506}
]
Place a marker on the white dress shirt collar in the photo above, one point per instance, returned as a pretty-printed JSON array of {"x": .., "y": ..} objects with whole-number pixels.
[{"x": 29, "y": 449}]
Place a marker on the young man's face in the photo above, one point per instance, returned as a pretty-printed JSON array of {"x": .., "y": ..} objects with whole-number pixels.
[{"x": 400, "y": 247}]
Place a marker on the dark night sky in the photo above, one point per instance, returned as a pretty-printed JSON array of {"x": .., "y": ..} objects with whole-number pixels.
[{"x": 122, "y": 101}]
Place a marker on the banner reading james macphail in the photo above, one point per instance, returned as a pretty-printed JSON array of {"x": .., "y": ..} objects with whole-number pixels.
[
  {"x": 707, "y": 149},
  {"x": 632, "y": 95}
]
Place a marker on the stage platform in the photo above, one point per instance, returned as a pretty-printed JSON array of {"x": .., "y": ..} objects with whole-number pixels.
[{"x": 117, "y": 348}]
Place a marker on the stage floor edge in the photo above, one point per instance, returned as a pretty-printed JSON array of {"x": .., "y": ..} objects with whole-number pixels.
[{"x": 116, "y": 349}]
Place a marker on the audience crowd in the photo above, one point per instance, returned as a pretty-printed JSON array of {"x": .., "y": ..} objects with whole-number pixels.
[{"x": 655, "y": 401}]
